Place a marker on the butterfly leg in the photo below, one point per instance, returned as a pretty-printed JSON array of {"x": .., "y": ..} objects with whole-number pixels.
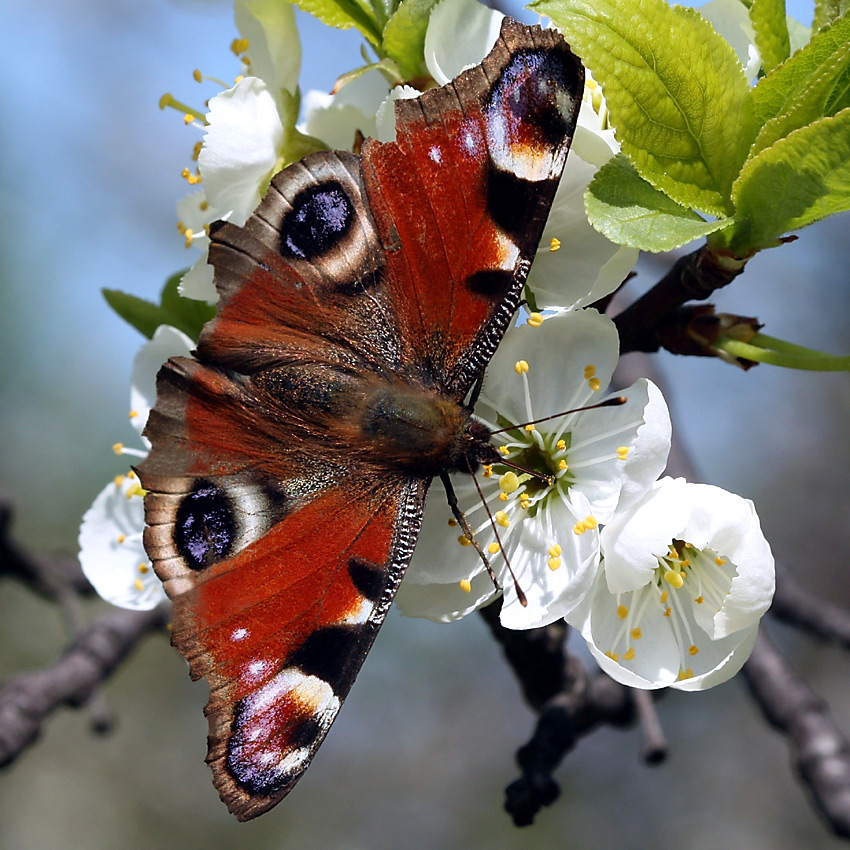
[{"x": 451, "y": 497}]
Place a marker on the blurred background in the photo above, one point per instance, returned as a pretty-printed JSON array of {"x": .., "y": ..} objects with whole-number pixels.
[{"x": 89, "y": 175}]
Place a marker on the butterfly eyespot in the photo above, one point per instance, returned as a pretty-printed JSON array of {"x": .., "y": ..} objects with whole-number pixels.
[
  {"x": 204, "y": 528},
  {"x": 320, "y": 217}
]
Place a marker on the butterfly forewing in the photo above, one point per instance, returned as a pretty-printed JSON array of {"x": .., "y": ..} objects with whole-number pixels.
[
  {"x": 291, "y": 458},
  {"x": 461, "y": 197}
]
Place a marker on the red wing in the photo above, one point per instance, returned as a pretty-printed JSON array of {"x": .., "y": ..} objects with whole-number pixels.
[
  {"x": 461, "y": 197},
  {"x": 281, "y": 571}
]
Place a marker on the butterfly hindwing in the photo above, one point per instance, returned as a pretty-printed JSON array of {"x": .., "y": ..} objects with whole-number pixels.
[{"x": 292, "y": 455}]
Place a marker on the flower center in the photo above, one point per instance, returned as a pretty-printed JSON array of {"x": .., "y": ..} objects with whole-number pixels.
[{"x": 689, "y": 585}]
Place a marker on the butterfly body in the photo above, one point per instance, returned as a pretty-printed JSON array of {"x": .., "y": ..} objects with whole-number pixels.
[{"x": 291, "y": 456}]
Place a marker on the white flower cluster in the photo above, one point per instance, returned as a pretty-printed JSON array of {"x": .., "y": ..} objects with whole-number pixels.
[{"x": 665, "y": 580}]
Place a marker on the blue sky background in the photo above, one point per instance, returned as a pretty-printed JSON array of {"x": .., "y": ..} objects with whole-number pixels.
[{"x": 89, "y": 176}]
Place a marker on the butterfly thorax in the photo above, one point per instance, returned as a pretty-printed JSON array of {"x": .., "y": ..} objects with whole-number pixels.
[{"x": 423, "y": 432}]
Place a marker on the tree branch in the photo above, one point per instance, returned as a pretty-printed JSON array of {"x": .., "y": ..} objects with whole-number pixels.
[
  {"x": 694, "y": 276},
  {"x": 27, "y": 700},
  {"x": 819, "y": 751}
]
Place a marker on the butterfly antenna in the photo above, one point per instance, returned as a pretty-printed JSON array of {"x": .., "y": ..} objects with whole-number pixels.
[
  {"x": 616, "y": 401},
  {"x": 519, "y": 592}
]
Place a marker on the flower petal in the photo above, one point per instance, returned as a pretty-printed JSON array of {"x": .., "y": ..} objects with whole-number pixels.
[
  {"x": 586, "y": 266},
  {"x": 274, "y": 48},
  {"x": 167, "y": 342},
  {"x": 335, "y": 119},
  {"x": 446, "y": 53},
  {"x": 197, "y": 283},
  {"x": 119, "y": 571},
  {"x": 241, "y": 147}
]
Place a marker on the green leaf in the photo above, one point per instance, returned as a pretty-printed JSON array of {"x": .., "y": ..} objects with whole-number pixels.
[
  {"x": 827, "y": 11},
  {"x": 185, "y": 314},
  {"x": 775, "y": 93},
  {"x": 144, "y": 316},
  {"x": 772, "y": 40},
  {"x": 404, "y": 36},
  {"x": 797, "y": 181},
  {"x": 622, "y": 206},
  {"x": 828, "y": 87},
  {"x": 675, "y": 90},
  {"x": 344, "y": 14}
]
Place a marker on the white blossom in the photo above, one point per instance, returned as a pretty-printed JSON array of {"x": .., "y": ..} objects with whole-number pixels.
[{"x": 686, "y": 576}]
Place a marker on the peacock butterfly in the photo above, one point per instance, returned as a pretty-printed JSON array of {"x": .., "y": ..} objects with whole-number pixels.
[{"x": 291, "y": 457}]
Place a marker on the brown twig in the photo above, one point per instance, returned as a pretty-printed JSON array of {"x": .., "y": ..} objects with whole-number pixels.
[
  {"x": 27, "y": 700},
  {"x": 569, "y": 704},
  {"x": 694, "y": 276},
  {"x": 819, "y": 751},
  {"x": 818, "y": 617}
]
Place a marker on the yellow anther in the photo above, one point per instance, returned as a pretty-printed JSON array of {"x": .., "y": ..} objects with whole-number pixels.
[
  {"x": 686, "y": 674},
  {"x": 622, "y": 612},
  {"x": 589, "y": 371},
  {"x": 521, "y": 366},
  {"x": 464, "y": 540},
  {"x": 197, "y": 76},
  {"x": 554, "y": 563},
  {"x": 239, "y": 45},
  {"x": 555, "y": 550},
  {"x": 188, "y": 118},
  {"x": 628, "y": 656},
  {"x": 503, "y": 497},
  {"x": 693, "y": 649},
  {"x": 487, "y": 470},
  {"x": 465, "y": 585},
  {"x": 699, "y": 600},
  {"x": 502, "y": 518},
  {"x": 579, "y": 528},
  {"x": 138, "y": 584},
  {"x": 119, "y": 480},
  {"x": 509, "y": 482},
  {"x": 674, "y": 578},
  {"x": 452, "y": 522},
  {"x": 595, "y": 384},
  {"x": 133, "y": 414},
  {"x": 622, "y": 452},
  {"x": 614, "y": 656},
  {"x": 535, "y": 320},
  {"x": 493, "y": 548},
  {"x": 131, "y": 474},
  {"x": 591, "y": 522},
  {"x": 554, "y": 244},
  {"x": 529, "y": 428},
  {"x": 144, "y": 568},
  {"x": 719, "y": 561},
  {"x": 238, "y": 78},
  {"x": 189, "y": 237},
  {"x": 636, "y": 634},
  {"x": 664, "y": 597},
  {"x": 196, "y": 152},
  {"x": 667, "y": 612},
  {"x": 562, "y": 464},
  {"x": 122, "y": 538},
  {"x": 204, "y": 205},
  {"x": 504, "y": 450}
]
